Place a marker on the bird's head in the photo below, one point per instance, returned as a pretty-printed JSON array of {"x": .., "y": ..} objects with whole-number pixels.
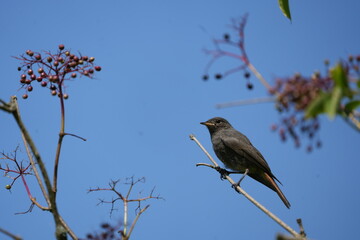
[{"x": 216, "y": 123}]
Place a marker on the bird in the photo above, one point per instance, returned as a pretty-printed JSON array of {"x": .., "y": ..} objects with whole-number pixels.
[{"x": 237, "y": 153}]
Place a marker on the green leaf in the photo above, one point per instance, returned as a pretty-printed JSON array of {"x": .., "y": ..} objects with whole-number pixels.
[
  {"x": 317, "y": 106},
  {"x": 332, "y": 105},
  {"x": 350, "y": 106},
  {"x": 339, "y": 76},
  {"x": 284, "y": 6}
]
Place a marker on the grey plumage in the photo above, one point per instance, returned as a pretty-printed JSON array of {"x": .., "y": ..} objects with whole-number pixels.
[{"x": 237, "y": 153}]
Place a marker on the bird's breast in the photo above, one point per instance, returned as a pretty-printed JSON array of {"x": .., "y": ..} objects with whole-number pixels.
[{"x": 229, "y": 157}]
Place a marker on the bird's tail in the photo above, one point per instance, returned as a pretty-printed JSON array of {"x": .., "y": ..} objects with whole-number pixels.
[{"x": 269, "y": 182}]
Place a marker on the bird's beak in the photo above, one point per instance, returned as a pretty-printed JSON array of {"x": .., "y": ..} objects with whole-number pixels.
[{"x": 207, "y": 123}]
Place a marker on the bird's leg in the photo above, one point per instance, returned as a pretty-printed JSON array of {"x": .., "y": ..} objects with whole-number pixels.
[
  {"x": 242, "y": 178},
  {"x": 223, "y": 172}
]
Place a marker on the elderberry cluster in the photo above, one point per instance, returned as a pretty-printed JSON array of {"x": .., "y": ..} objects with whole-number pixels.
[
  {"x": 51, "y": 70},
  {"x": 294, "y": 94}
]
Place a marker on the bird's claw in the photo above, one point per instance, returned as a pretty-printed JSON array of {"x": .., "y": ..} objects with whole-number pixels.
[{"x": 223, "y": 172}]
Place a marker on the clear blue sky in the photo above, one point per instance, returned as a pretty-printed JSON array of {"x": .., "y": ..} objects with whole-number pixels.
[{"x": 138, "y": 112}]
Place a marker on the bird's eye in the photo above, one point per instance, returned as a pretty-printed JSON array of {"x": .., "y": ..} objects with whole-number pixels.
[{"x": 218, "y": 121}]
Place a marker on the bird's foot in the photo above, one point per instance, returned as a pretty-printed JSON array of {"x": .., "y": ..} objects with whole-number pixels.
[
  {"x": 223, "y": 172},
  {"x": 242, "y": 178}
]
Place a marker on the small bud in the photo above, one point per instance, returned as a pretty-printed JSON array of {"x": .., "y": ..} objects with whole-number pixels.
[
  {"x": 67, "y": 53},
  {"x": 66, "y": 96},
  {"x": 53, "y": 92},
  {"x": 81, "y": 62},
  {"x": 8, "y": 187},
  {"x": 91, "y": 59}
]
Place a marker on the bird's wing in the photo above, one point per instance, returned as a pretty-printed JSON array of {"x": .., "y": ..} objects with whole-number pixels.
[{"x": 242, "y": 146}]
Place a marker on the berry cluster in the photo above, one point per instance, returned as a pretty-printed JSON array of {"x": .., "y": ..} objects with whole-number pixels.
[
  {"x": 238, "y": 44},
  {"x": 107, "y": 232},
  {"x": 51, "y": 70},
  {"x": 295, "y": 94}
]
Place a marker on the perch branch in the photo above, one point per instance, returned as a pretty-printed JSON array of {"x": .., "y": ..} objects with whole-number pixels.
[{"x": 241, "y": 191}]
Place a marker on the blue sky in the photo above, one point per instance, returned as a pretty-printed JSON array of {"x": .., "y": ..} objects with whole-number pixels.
[{"x": 138, "y": 112}]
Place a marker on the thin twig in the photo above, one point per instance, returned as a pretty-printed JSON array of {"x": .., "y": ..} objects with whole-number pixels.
[
  {"x": 34, "y": 168},
  {"x": 13, "y": 108},
  {"x": 9, "y": 234},
  {"x": 240, "y": 190},
  {"x": 136, "y": 219},
  {"x": 245, "y": 102}
]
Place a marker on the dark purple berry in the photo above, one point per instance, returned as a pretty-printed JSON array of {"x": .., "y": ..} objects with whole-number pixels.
[
  {"x": 61, "y": 46},
  {"x": 38, "y": 57},
  {"x": 218, "y": 76},
  {"x": 25, "y": 96},
  {"x": 249, "y": 85},
  {"x": 246, "y": 75},
  {"x": 205, "y": 77},
  {"x": 49, "y": 59},
  {"x": 30, "y": 88},
  {"x": 43, "y": 84},
  {"x": 53, "y": 92},
  {"x": 39, "y": 79},
  {"x": 33, "y": 76},
  {"x": 23, "y": 76},
  {"x": 73, "y": 75},
  {"x": 91, "y": 59},
  {"x": 30, "y": 71},
  {"x": 19, "y": 68},
  {"x": 97, "y": 68}
]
